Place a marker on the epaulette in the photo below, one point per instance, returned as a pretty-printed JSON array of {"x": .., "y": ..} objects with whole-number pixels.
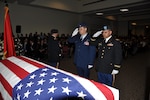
[
  {"x": 117, "y": 39},
  {"x": 93, "y": 39}
]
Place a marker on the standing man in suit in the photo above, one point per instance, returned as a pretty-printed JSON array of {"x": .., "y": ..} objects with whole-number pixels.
[
  {"x": 54, "y": 50},
  {"x": 109, "y": 55},
  {"x": 84, "y": 55}
]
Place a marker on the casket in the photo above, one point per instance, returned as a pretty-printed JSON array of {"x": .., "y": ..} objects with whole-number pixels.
[{"x": 23, "y": 78}]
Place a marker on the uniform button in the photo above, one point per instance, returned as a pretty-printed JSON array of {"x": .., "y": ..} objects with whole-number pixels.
[
  {"x": 111, "y": 64},
  {"x": 104, "y": 47},
  {"x": 103, "y": 50},
  {"x": 102, "y": 53},
  {"x": 102, "y": 57}
]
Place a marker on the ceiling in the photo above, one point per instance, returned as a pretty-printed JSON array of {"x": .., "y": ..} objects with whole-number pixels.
[{"x": 139, "y": 10}]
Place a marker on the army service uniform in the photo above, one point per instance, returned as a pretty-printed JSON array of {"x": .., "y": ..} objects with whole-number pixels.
[{"x": 109, "y": 57}]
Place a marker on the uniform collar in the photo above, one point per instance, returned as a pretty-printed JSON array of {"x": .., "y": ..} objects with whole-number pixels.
[
  {"x": 106, "y": 40},
  {"x": 83, "y": 36}
]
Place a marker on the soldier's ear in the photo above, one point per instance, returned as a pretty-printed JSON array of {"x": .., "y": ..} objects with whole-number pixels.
[
  {"x": 85, "y": 29},
  {"x": 110, "y": 31}
]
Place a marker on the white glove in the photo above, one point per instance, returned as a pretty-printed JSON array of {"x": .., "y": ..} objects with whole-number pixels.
[
  {"x": 97, "y": 33},
  {"x": 90, "y": 66},
  {"x": 75, "y": 32},
  {"x": 115, "y": 71}
]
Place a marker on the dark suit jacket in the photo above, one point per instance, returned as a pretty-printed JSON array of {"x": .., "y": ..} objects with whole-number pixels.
[
  {"x": 84, "y": 55},
  {"x": 53, "y": 49},
  {"x": 109, "y": 55}
]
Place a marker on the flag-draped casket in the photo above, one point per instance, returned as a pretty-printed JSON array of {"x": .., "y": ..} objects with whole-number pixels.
[{"x": 23, "y": 78}]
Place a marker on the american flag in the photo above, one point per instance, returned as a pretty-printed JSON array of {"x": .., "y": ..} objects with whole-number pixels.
[{"x": 23, "y": 78}]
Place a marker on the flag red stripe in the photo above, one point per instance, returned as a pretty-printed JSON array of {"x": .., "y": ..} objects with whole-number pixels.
[
  {"x": 31, "y": 62},
  {"x": 21, "y": 73},
  {"x": 106, "y": 91},
  {"x": 6, "y": 85}
]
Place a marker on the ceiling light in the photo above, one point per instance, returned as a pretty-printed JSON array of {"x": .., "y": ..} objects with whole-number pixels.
[
  {"x": 110, "y": 17},
  {"x": 147, "y": 26},
  {"x": 133, "y": 23},
  {"x": 99, "y": 13},
  {"x": 124, "y": 10}
]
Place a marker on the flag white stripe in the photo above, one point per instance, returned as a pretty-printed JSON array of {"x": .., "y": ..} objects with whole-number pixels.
[
  {"x": 39, "y": 62},
  {"x": 11, "y": 77},
  {"x": 62, "y": 71},
  {"x": 23, "y": 64},
  {"x": 4, "y": 93}
]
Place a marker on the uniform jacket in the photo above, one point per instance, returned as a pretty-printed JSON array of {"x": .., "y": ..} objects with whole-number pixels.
[
  {"x": 84, "y": 55},
  {"x": 53, "y": 49},
  {"x": 109, "y": 55}
]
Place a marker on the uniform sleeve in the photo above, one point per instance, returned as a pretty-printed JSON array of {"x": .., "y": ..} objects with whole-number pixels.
[
  {"x": 73, "y": 39},
  {"x": 92, "y": 53},
  {"x": 118, "y": 56},
  {"x": 94, "y": 41}
]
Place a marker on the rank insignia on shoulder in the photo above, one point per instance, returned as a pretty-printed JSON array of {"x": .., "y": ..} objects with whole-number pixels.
[
  {"x": 93, "y": 39},
  {"x": 99, "y": 44},
  {"x": 117, "y": 39}
]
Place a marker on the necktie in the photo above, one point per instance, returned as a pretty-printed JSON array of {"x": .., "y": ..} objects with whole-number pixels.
[
  {"x": 104, "y": 40},
  {"x": 81, "y": 38}
]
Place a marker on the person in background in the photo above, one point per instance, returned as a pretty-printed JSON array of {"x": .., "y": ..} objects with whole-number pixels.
[
  {"x": 109, "y": 58},
  {"x": 84, "y": 55},
  {"x": 42, "y": 49},
  {"x": 30, "y": 47},
  {"x": 54, "y": 50}
]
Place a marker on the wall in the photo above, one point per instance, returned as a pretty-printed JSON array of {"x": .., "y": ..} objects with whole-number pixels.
[
  {"x": 122, "y": 28},
  {"x": 95, "y": 23},
  {"x": 35, "y": 19}
]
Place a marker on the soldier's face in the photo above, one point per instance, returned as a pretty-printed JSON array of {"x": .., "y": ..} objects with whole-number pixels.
[
  {"x": 55, "y": 34},
  {"x": 107, "y": 33},
  {"x": 82, "y": 30}
]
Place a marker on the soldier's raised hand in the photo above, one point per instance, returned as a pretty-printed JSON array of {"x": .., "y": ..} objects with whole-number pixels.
[
  {"x": 97, "y": 33},
  {"x": 75, "y": 32}
]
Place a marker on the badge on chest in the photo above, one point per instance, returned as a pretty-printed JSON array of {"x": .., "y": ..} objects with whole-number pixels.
[{"x": 109, "y": 45}]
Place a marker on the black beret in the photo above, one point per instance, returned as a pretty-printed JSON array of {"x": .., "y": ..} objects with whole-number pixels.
[
  {"x": 82, "y": 25},
  {"x": 54, "y": 31},
  {"x": 106, "y": 27}
]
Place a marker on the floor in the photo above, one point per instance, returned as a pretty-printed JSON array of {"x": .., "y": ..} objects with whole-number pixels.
[{"x": 132, "y": 81}]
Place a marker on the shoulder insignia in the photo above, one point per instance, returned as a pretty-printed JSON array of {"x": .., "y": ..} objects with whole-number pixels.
[
  {"x": 93, "y": 39},
  {"x": 99, "y": 44},
  {"x": 117, "y": 39}
]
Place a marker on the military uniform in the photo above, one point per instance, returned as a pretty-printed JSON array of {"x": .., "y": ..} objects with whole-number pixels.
[
  {"x": 109, "y": 55},
  {"x": 84, "y": 55},
  {"x": 54, "y": 50}
]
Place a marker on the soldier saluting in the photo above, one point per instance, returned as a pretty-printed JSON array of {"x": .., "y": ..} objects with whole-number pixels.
[
  {"x": 109, "y": 58},
  {"x": 84, "y": 55}
]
